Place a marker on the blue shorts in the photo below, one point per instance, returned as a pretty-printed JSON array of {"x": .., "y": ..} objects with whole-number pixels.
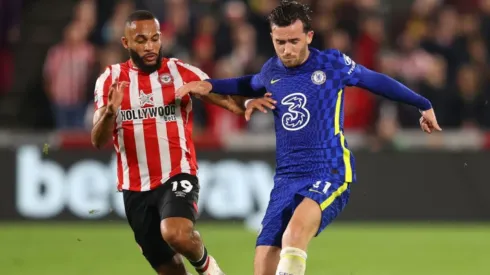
[{"x": 287, "y": 194}]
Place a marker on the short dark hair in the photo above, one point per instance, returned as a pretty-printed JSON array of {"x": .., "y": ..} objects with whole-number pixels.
[
  {"x": 288, "y": 12},
  {"x": 140, "y": 15}
]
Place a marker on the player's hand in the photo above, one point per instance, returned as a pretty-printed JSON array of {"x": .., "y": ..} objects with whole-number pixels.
[
  {"x": 115, "y": 96},
  {"x": 195, "y": 88},
  {"x": 260, "y": 104},
  {"x": 428, "y": 121}
]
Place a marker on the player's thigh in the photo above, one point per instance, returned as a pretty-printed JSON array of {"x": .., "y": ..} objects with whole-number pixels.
[
  {"x": 178, "y": 197},
  {"x": 327, "y": 199},
  {"x": 303, "y": 225},
  {"x": 266, "y": 260},
  {"x": 276, "y": 218},
  {"x": 144, "y": 219}
]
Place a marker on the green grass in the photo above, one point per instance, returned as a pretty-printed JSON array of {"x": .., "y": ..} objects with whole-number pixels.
[{"x": 343, "y": 249}]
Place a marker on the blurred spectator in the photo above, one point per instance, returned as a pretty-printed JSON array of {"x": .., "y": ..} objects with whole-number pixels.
[
  {"x": 178, "y": 25},
  {"x": 443, "y": 37},
  {"x": 468, "y": 105},
  {"x": 85, "y": 13},
  {"x": 339, "y": 39},
  {"x": 6, "y": 70},
  {"x": 68, "y": 68},
  {"x": 112, "y": 54},
  {"x": 438, "y": 48},
  {"x": 369, "y": 40},
  {"x": 485, "y": 20},
  {"x": 432, "y": 85},
  {"x": 259, "y": 11},
  {"x": 218, "y": 120},
  {"x": 9, "y": 32},
  {"x": 113, "y": 30}
]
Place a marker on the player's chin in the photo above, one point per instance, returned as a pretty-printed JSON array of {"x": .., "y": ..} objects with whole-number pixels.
[
  {"x": 150, "y": 63},
  {"x": 290, "y": 62}
]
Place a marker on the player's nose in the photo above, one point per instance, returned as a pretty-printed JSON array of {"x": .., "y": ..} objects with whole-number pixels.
[{"x": 149, "y": 46}]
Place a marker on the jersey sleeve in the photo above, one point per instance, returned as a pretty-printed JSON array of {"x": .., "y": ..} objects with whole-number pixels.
[
  {"x": 190, "y": 73},
  {"x": 349, "y": 71},
  {"x": 257, "y": 84},
  {"x": 258, "y": 81},
  {"x": 102, "y": 86},
  {"x": 248, "y": 86}
]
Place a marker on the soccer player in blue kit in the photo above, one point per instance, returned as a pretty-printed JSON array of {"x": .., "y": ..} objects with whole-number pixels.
[{"x": 314, "y": 167}]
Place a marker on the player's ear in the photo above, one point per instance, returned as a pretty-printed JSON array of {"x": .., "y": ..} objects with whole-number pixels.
[
  {"x": 309, "y": 37},
  {"x": 124, "y": 42}
]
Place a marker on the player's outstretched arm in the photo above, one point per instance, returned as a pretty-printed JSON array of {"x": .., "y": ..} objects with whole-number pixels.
[
  {"x": 234, "y": 104},
  {"x": 388, "y": 87},
  {"x": 247, "y": 86}
]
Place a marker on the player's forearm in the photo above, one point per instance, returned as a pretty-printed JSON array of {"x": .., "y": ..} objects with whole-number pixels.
[
  {"x": 390, "y": 88},
  {"x": 102, "y": 130},
  {"x": 239, "y": 86},
  {"x": 234, "y": 104},
  {"x": 238, "y": 103}
]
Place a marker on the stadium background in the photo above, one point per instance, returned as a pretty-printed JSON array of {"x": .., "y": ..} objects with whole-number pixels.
[{"x": 422, "y": 205}]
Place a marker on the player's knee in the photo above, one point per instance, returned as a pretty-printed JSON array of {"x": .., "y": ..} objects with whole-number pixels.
[
  {"x": 296, "y": 235},
  {"x": 175, "y": 233},
  {"x": 303, "y": 226}
]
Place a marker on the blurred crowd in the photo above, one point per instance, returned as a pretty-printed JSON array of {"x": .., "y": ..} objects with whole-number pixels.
[{"x": 438, "y": 48}]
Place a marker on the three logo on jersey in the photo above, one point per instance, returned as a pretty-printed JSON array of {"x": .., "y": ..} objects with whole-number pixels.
[{"x": 298, "y": 116}]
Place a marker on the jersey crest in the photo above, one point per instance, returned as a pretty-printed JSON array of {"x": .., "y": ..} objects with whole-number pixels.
[
  {"x": 318, "y": 77},
  {"x": 166, "y": 79}
]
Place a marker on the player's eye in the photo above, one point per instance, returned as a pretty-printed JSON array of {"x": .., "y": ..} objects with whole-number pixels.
[{"x": 280, "y": 42}]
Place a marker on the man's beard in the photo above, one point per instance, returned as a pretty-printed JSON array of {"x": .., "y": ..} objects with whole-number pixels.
[
  {"x": 298, "y": 61},
  {"x": 140, "y": 63}
]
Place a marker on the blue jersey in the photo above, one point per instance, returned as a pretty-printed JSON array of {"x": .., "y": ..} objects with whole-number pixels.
[
  {"x": 310, "y": 141},
  {"x": 312, "y": 155},
  {"x": 309, "y": 115}
]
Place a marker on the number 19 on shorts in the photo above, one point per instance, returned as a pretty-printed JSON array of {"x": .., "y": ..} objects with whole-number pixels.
[{"x": 182, "y": 186}]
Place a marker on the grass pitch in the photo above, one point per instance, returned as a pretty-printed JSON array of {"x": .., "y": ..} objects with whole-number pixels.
[{"x": 343, "y": 249}]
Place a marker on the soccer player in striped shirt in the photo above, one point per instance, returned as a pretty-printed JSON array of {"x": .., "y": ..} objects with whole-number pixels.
[
  {"x": 314, "y": 167},
  {"x": 152, "y": 133}
]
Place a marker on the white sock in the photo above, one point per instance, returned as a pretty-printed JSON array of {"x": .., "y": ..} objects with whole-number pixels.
[{"x": 293, "y": 262}]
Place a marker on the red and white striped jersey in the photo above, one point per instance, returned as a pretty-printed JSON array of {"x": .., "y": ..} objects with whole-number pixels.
[{"x": 153, "y": 129}]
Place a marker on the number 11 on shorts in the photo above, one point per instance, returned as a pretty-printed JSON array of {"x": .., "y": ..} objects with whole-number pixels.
[{"x": 325, "y": 188}]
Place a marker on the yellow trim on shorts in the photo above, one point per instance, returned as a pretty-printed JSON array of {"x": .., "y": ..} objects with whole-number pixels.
[
  {"x": 346, "y": 152},
  {"x": 326, "y": 203}
]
